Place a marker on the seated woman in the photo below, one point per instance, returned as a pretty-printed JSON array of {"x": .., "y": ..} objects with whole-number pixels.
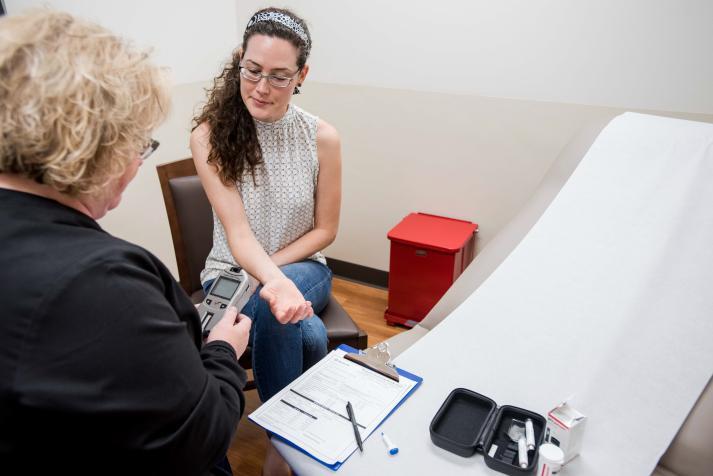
[
  {"x": 272, "y": 173},
  {"x": 102, "y": 365}
]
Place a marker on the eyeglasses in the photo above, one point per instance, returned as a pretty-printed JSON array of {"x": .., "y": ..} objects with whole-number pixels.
[
  {"x": 149, "y": 149},
  {"x": 274, "y": 80}
]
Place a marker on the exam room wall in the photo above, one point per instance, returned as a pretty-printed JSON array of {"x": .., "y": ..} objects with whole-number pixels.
[
  {"x": 417, "y": 138},
  {"x": 469, "y": 157},
  {"x": 189, "y": 38}
]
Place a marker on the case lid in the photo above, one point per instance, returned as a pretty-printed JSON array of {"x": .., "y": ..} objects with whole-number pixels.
[
  {"x": 462, "y": 422},
  {"x": 434, "y": 232}
]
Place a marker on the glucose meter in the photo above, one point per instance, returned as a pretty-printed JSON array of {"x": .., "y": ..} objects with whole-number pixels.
[{"x": 232, "y": 287}]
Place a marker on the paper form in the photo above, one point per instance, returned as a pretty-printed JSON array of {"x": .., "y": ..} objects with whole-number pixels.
[{"x": 311, "y": 412}]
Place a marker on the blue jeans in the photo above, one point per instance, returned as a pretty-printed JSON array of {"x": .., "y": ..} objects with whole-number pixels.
[{"x": 282, "y": 352}]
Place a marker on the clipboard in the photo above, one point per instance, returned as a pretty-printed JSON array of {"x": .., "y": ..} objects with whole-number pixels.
[
  {"x": 375, "y": 363},
  {"x": 375, "y": 358}
]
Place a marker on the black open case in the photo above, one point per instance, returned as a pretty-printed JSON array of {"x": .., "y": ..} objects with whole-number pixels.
[{"x": 468, "y": 422}]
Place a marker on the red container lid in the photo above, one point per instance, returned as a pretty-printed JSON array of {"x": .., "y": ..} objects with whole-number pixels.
[{"x": 432, "y": 231}]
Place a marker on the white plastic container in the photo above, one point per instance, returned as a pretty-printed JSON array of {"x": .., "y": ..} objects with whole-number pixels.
[{"x": 550, "y": 461}]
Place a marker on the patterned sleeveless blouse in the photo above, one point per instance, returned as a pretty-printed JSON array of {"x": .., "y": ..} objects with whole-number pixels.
[{"x": 280, "y": 204}]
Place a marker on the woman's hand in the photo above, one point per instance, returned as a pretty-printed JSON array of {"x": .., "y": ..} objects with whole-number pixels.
[
  {"x": 234, "y": 332},
  {"x": 285, "y": 300}
]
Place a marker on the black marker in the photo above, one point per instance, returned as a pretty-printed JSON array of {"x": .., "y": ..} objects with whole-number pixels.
[{"x": 352, "y": 418}]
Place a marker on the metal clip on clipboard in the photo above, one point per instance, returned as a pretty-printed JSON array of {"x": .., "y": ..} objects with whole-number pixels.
[{"x": 377, "y": 358}]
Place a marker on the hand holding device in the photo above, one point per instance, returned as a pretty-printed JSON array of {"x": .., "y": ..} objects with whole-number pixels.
[
  {"x": 232, "y": 287},
  {"x": 233, "y": 329}
]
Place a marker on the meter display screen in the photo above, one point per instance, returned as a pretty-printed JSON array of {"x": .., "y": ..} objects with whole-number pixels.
[{"x": 225, "y": 287}]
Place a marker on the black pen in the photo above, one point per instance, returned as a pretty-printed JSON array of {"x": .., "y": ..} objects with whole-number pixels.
[{"x": 352, "y": 418}]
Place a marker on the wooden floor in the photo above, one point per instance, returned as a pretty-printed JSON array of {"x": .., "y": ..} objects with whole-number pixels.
[{"x": 366, "y": 305}]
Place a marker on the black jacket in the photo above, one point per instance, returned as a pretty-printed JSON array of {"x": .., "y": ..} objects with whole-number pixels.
[{"x": 102, "y": 368}]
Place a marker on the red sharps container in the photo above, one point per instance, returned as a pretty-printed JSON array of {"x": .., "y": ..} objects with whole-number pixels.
[{"x": 428, "y": 253}]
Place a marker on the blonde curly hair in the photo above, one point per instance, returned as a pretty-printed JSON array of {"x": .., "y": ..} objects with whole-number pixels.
[{"x": 77, "y": 103}]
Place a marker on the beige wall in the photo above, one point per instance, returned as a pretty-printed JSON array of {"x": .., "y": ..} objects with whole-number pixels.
[
  {"x": 189, "y": 38},
  {"x": 644, "y": 54},
  {"x": 467, "y": 157},
  {"x": 417, "y": 91}
]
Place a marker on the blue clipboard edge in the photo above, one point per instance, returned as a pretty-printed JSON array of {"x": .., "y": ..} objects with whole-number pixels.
[{"x": 338, "y": 464}]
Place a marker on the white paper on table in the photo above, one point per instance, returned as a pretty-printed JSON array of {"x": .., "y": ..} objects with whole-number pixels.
[{"x": 311, "y": 412}]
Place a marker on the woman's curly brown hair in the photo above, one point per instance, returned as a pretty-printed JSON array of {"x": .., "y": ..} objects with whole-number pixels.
[{"x": 234, "y": 147}]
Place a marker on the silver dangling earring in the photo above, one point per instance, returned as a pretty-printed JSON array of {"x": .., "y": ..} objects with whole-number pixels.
[{"x": 297, "y": 89}]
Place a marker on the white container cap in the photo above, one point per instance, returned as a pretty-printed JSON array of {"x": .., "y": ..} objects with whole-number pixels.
[{"x": 551, "y": 453}]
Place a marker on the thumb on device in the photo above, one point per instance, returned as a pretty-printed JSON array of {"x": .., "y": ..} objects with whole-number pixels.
[
  {"x": 243, "y": 321},
  {"x": 229, "y": 317},
  {"x": 234, "y": 333}
]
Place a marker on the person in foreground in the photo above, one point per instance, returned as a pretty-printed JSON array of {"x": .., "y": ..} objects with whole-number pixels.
[
  {"x": 272, "y": 173},
  {"x": 103, "y": 369}
]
